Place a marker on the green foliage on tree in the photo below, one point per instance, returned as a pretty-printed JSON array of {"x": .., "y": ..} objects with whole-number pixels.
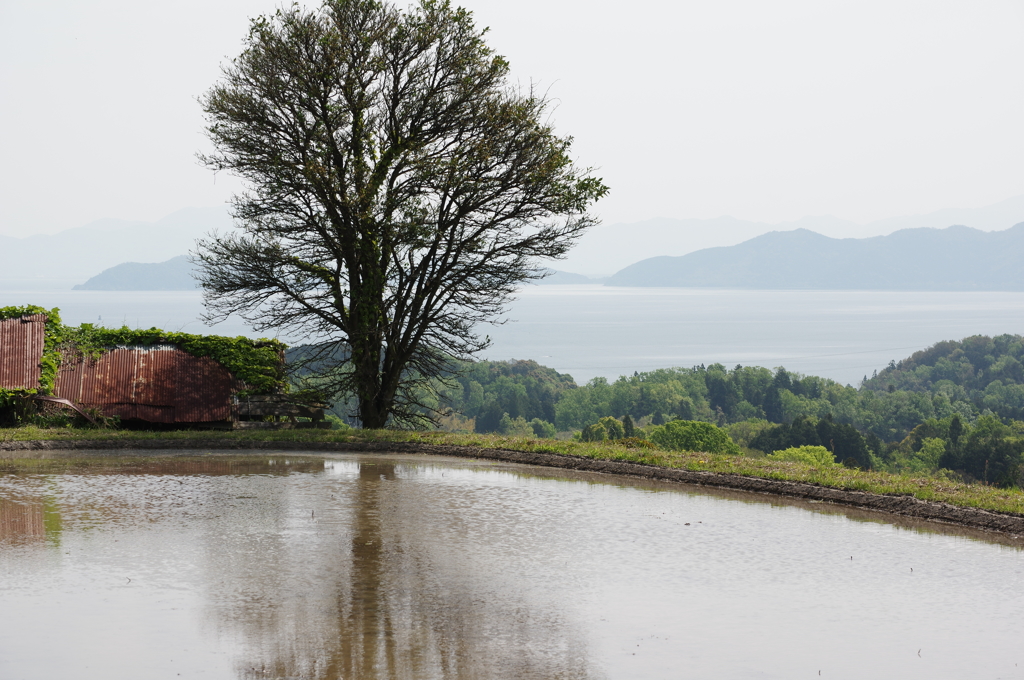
[
  {"x": 399, "y": 189},
  {"x": 485, "y": 390},
  {"x": 515, "y": 427},
  {"x": 628, "y": 428},
  {"x": 980, "y": 371},
  {"x": 956, "y": 429},
  {"x": 924, "y": 460},
  {"x": 990, "y": 451},
  {"x": 744, "y": 431}
]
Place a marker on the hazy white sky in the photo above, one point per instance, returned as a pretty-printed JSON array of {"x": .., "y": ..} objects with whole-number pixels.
[{"x": 761, "y": 110}]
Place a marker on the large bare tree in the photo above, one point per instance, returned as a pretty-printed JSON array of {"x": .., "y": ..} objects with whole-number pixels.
[{"x": 398, "y": 190}]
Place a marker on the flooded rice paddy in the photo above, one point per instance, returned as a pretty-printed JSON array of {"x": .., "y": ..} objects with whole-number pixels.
[{"x": 381, "y": 566}]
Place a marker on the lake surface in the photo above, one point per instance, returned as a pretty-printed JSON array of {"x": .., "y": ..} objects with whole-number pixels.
[
  {"x": 398, "y": 566},
  {"x": 590, "y": 331}
]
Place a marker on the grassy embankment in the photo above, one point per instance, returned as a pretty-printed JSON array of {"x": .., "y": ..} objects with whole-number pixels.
[{"x": 924, "y": 488}]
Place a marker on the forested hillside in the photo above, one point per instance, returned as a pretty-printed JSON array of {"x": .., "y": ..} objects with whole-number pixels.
[
  {"x": 986, "y": 372},
  {"x": 956, "y": 405},
  {"x": 522, "y": 391}
]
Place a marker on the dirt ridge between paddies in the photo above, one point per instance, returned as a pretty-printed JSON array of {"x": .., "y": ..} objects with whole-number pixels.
[{"x": 904, "y": 505}]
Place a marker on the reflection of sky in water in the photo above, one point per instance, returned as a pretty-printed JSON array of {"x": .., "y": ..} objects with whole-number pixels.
[
  {"x": 590, "y": 331},
  {"x": 412, "y": 567}
]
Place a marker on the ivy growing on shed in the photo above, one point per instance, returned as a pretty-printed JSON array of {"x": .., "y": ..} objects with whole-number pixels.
[
  {"x": 258, "y": 363},
  {"x": 50, "y": 361}
]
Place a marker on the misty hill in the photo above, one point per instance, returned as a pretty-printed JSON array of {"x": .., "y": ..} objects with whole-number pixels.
[
  {"x": 608, "y": 248},
  {"x": 955, "y": 258},
  {"x": 76, "y": 254},
  {"x": 174, "y": 274},
  {"x": 558, "y": 278},
  {"x": 81, "y": 252}
]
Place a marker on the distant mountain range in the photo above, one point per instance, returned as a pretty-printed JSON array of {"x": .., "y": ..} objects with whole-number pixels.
[
  {"x": 955, "y": 258},
  {"x": 174, "y": 274},
  {"x": 606, "y": 249},
  {"x": 74, "y": 255}
]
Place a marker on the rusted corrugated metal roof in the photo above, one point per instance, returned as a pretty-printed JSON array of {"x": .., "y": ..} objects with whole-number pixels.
[
  {"x": 21, "y": 349},
  {"x": 158, "y": 384}
]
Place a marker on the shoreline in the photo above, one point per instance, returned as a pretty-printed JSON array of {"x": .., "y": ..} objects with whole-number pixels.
[{"x": 899, "y": 505}]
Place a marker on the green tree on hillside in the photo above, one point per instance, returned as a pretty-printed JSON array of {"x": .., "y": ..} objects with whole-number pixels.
[
  {"x": 628, "y": 428},
  {"x": 973, "y": 374},
  {"x": 992, "y": 452},
  {"x": 486, "y": 390}
]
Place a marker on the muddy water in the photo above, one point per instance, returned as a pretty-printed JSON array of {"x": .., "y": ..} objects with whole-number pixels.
[{"x": 415, "y": 567}]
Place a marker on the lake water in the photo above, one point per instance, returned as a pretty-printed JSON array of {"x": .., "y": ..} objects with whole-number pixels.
[
  {"x": 399, "y": 566},
  {"x": 590, "y": 331}
]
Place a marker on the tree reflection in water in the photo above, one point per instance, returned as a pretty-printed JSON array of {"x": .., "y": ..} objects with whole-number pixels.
[{"x": 375, "y": 587}]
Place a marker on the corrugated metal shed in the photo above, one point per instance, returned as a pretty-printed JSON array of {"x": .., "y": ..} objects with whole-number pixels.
[
  {"x": 158, "y": 384},
  {"x": 21, "y": 349}
]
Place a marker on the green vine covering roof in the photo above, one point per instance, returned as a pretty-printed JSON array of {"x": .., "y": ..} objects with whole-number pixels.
[{"x": 258, "y": 363}]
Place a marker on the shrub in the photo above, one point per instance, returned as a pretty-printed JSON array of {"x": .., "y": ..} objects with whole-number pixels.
[
  {"x": 613, "y": 427},
  {"x": 542, "y": 429},
  {"x": 817, "y": 456},
  {"x": 693, "y": 435},
  {"x": 336, "y": 422},
  {"x": 594, "y": 433}
]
